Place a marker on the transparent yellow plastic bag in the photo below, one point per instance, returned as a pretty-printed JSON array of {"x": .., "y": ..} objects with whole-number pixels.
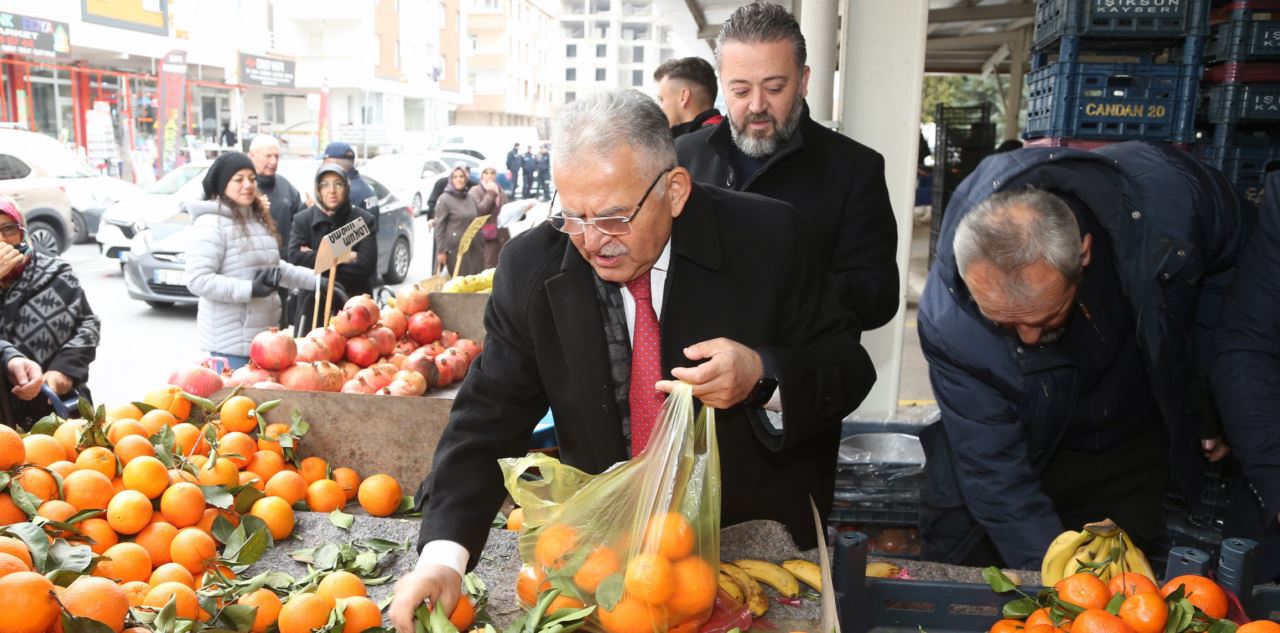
[{"x": 641, "y": 540}]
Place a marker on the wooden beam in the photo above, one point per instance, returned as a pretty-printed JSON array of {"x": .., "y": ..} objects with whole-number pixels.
[
  {"x": 978, "y": 41},
  {"x": 995, "y": 60},
  {"x": 985, "y": 12}
]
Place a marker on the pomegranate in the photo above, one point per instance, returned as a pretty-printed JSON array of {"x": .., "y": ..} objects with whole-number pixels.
[
  {"x": 269, "y": 385},
  {"x": 197, "y": 380},
  {"x": 413, "y": 378},
  {"x": 394, "y": 319},
  {"x": 311, "y": 350},
  {"x": 300, "y": 377},
  {"x": 459, "y": 362},
  {"x": 349, "y": 369},
  {"x": 468, "y": 347},
  {"x": 425, "y": 327},
  {"x": 448, "y": 338},
  {"x": 424, "y": 364},
  {"x": 273, "y": 349},
  {"x": 384, "y": 338},
  {"x": 378, "y": 376},
  {"x": 329, "y": 377},
  {"x": 334, "y": 342},
  {"x": 432, "y": 349},
  {"x": 248, "y": 375},
  {"x": 363, "y": 300},
  {"x": 400, "y": 388},
  {"x": 396, "y": 359},
  {"x": 352, "y": 321},
  {"x": 362, "y": 351},
  {"x": 445, "y": 370},
  {"x": 412, "y": 300},
  {"x": 359, "y": 386},
  {"x": 405, "y": 346}
]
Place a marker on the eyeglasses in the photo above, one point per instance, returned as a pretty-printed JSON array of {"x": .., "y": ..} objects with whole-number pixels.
[
  {"x": 10, "y": 231},
  {"x": 336, "y": 185},
  {"x": 611, "y": 225}
]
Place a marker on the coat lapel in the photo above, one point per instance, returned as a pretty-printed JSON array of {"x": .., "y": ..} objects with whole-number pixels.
[{"x": 695, "y": 251}]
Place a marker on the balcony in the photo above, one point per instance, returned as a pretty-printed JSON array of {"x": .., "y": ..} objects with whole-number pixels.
[{"x": 326, "y": 10}]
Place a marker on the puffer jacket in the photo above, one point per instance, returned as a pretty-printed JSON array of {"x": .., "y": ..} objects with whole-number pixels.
[{"x": 221, "y": 262}]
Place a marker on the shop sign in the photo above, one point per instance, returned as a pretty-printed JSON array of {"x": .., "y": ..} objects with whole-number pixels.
[
  {"x": 172, "y": 87},
  {"x": 271, "y": 72},
  {"x": 33, "y": 37},
  {"x": 146, "y": 16}
]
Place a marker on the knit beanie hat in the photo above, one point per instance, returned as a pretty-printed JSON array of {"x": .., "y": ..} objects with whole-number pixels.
[
  {"x": 10, "y": 208},
  {"x": 220, "y": 172}
]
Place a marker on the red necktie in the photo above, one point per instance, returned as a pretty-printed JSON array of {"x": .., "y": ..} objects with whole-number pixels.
[{"x": 646, "y": 366}]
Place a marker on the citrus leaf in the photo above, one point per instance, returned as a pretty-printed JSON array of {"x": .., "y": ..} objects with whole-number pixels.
[
  {"x": 245, "y": 499},
  {"x": 4, "y": 480},
  {"x": 341, "y": 520},
  {"x": 222, "y": 529},
  {"x": 85, "y": 409},
  {"x": 25, "y": 501},
  {"x": 205, "y": 404},
  {"x": 76, "y": 624},
  {"x": 46, "y": 425},
  {"x": 1222, "y": 626},
  {"x": 167, "y": 619},
  {"x": 564, "y": 616},
  {"x": 999, "y": 582},
  {"x": 64, "y": 556},
  {"x": 406, "y": 505},
  {"x": 609, "y": 592},
  {"x": 35, "y": 539},
  {"x": 143, "y": 407},
  {"x": 252, "y": 549},
  {"x": 218, "y": 497},
  {"x": 267, "y": 406},
  {"x": 1021, "y": 608},
  {"x": 1113, "y": 607}
]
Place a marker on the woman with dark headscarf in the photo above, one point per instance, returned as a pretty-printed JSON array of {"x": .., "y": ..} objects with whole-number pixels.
[
  {"x": 44, "y": 314},
  {"x": 455, "y": 210}
]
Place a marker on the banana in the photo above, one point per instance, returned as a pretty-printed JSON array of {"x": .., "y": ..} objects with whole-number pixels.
[
  {"x": 771, "y": 574},
  {"x": 1061, "y": 552},
  {"x": 1134, "y": 559},
  {"x": 732, "y": 588},
  {"x": 805, "y": 571},
  {"x": 757, "y": 603},
  {"x": 882, "y": 570}
]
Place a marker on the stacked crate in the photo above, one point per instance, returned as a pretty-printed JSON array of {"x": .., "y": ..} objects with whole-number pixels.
[
  {"x": 964, "y": 136},
  {"x": 1240, "y": 94},
  {"x": 1115, "y": 70}
]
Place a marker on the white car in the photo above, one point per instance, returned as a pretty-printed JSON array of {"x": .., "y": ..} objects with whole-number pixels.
[{"x": 157, "y": 201}]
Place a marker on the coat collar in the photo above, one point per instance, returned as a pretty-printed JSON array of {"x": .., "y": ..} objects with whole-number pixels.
[{"x": 721, "y": 142}]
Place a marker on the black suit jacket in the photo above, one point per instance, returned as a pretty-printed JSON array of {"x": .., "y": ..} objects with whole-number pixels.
[
  {"x": 738, "y": 269},
  {"x": 838, "y": 186}
]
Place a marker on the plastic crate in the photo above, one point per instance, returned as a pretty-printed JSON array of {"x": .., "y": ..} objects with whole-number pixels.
[
  {"x": 965, "y": 135},
  {"x": 1243, "y": 73},
  {"x": 1242, "y": 103},
  {"x": 1243, "y": 40},
  {"x": 1245, "y": 160},
  {"x": 1118, "y": 23},
  {"x": 1152, "y": 102}
]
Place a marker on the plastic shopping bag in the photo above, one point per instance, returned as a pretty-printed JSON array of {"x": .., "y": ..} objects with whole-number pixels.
[{"x": 640, "y": 541}]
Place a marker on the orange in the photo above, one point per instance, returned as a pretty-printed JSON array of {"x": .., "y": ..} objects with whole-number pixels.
[
  {"x": 341, "y": 584},
  {"x": 97, "y": 458},
  {"x": 155, "y": 420},
  {"x": 126, "y": 410},
  {"x": 1131, "y": 582},
  {"x": 265, "y": 464},
  {"x": 12, "y": 450},
  {"x": 670, "y": 536},
  {"x": 1041, "y": 616},
  {"x": 193, "y": 549},
  {"x": 211, "y": 514},
  {"x": 10, "y": 563},
  {"x": 1205, "y": 594},
  {"x": 63, "y": 468},
  {"x": 515, "y": 520},
  {"x": 170, "y": 399},
  {"x": 117, "y": 486},
  {"x": 121, "y": 429},
  {"x": 187, "y": 603},
  {"x": 305, "y": 612},
  {"x": 147, "y": 475},
  {"x": 269, "y": 605},
  {"x": 649, "y": 577},
  {"x": 380, "y": 495},
  {"x": 188, "y": 440},
  {"x": 555, "y": 543},
  {"x": 564, "y": 602},
  {"x": 1259, "y": 626},
  {"x": 601, "y": 563},
  {"x": 129, "y": 511},
  {"x": 1145, "y": 612},
  {"x": 219, "y": 472},
  {"x": 464, "y": 613},
  {"x": 137, "y": 592},
  {"x": 1040, "y": 628},
  {"x": 68, "y": 435},
  {"x": 156, "y": 539},
  {"x": 43, "y": 450},
  {"x": 10, "y": 513},
  {"x": 313, "y": 469},
  {"x": 56, "y": 510},
  {"x": 15, "y": 548},
  {"x": 1006, "y": 626},
  {"x": 1084, "y": 590},
  {"x": 132, "y": 447},
  {"x": 239, "y": 414},
  {"x": 695, "y": 588},
  {"x": 182, "y": 504},
  {"x": 530, "y": 583},
  {"x": 172, "y": 572},
  {"x": 1099, "y": 621},
  {"x": 38, "y": 482},
  {"x": 238, "y": 448},
  {"x": 631, "y": 615},
  {"x": 287, "y": 485},
  {"x": 87, "y": 490},
  {"x": 128, "y": 562},
  {"x": 100, "y": 531},
  {"x": 349, "y": 479},
  {"x": 325, "y": 495},
  {"x": 97, "y": 599},
  {"x": 361, "y": 614},
  {"x": 277, "y": 514},
  {"x": 26, "y": 603},
  {"x": 176, "y": 475}
]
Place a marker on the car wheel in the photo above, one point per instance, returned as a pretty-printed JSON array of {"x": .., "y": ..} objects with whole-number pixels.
[
  {"x": 417, "y": 204},
  {"x": 399, "y": 266},
  {"x": 160, "y": 305},
  {"x": 79, "y": 229},
  {"x": 45, "y": 237}
]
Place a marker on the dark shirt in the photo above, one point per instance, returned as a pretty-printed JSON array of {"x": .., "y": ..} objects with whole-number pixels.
[{"x": 286, "y": 202}]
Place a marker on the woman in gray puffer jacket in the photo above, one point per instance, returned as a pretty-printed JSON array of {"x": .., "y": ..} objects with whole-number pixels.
[{"x": 233, "y": 263}]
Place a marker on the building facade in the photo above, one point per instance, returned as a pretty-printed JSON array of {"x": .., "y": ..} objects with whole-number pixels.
[
  {"x": 610, "y": 44},
  {"x": 512, "y": 65}
]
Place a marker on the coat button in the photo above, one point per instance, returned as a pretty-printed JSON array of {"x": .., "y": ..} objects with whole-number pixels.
[
  {"x": 1137, "y": 215},
  {"x": 1164, "y": 275},
  {"x": 1019, "y": 349},
  {"x": 1182, "y": 253}
]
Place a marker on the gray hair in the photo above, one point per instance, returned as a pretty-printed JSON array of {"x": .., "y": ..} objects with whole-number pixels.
[
  {"x": 594, "y": 127},
  {"x": 1012, "y": 230},
  {"x": 761, "y": 22},
  {"x": 263, "y": 141}
]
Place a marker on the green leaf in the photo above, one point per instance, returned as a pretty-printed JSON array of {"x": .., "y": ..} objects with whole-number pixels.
[
  {"x": 25, "y": 501},
  {"x": 341, "y": 520},
  {"x": 1222, "y": 626},
  {"x": 218, "y": 497},
  {"x": 205, "y": 404},
  {"x": 267, "y": 406},
  {"x": 4, "y": 480},
  {"x": 406, "y": 505},
  {"x": 222, "y": 529},
  {"x": 253, "y": 524},
  {"x": 246, "y": 498},
  {"x": 499, "y": 521},
  {"x": 380, "y": 580},
  {"x": 439, "y": 621},
  {"x": 252, "y": 550},
  {"x": 298, "y": 427},
  {"x": 1021, "y": 608},
  {"x": 86, "y": 409},
  {"x": 327, "y": 556},
  {"x": 46, "y": 425},
  {"x": 35, "y": 539},
  {"x": 1176, "y": 612},
  {"x": 382, "y": 546},
  {"x": 76, "y": 624},
  {"x": 64, "y": 556},
  {"x": 167, "y": 619},
  {"x": 364, "y": 563},
  {"x": 565, "y": 616},
  {"x": 999, "y": 582},
  {"x": 1113, "y": 607},
  {"x": 143, "y": 407},
  {"x": 609, "y": 592}
]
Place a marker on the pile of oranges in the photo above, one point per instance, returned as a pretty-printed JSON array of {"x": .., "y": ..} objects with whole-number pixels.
[
  {"x": 664, "y": 585},
  {"x": 150, "y": 521}
]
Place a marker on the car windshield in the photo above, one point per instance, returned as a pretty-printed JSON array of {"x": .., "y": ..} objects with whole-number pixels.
[
  {"x": 174, "y": 180},
  {"x": 58, "y": 161},
  {"x": 170, "y": 225}
]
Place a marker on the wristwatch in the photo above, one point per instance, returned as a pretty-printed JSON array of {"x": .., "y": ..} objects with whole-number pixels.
[{"x": 768, "y": 383}]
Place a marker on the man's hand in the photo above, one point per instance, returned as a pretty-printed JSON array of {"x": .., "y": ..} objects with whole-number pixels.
[
  {"x": 723, "y": 381},
  {"x": 435, "y": 583},
  {"x": 9, "y": 258},
  {"x": 304, "y": 248},
  {"x": 58, "y": 382},
  {"x": 26, "y": 378},
  {"x": 442, "y": 260},
  {"x": 266, "y": 203},
  {"x": 347, "y": 258},
  {"x": 1215, "y": 448}
]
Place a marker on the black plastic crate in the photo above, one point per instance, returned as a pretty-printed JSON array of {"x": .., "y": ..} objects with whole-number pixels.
[
  {"x": 1242, "y": 40},
  {"x": 1242, "y": 103},
  {"x": 964, "y": 136},
  {"x": 1120, "y": 24},
  {"x": 1245, "y": 159},
  {"x": 1151, "y": 102}
]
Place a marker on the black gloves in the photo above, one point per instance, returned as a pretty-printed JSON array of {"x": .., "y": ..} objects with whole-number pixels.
[{"x": 265, "y": 282}]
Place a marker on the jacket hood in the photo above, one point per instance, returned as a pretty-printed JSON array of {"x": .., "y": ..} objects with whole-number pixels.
[
  {"x": 198, "y": 208},
  {"x": 344, "y": 210}
]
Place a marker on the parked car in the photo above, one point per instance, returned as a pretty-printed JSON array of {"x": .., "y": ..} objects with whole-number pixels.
[
  {"x": 158, "y": 202},
  {"x": 89, "y": 192},
  {"x": 42, "y": 201},
  {"x": 154, "y": 265}
]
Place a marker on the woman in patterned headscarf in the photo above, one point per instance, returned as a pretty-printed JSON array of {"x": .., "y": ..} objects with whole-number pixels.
[{"x": 44, "y": 314}]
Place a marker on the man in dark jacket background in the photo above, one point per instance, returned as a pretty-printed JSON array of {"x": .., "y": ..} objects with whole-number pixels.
[
  {"x": 333, "y": 210},
  {"x": 1059, "y": 406},
  {"x": 687, "y": 94},
  {"x": 286, "y": 200},
  {"x": 513, "y": 168},
  {"x": 770, "y": 146},
  {"x": 542, "y": 172},
  {"x": 528, "y": 165},
  {"x": 361, "y": 194}
]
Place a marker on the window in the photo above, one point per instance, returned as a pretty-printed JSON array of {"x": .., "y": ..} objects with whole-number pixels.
[
  {"x": 570, "y": 50},
  {"x": 11, "y": 168},
  {"x": 273, "y": 108},
  {"x": 599, "y": 74},
  {"x": 602, "y": 50},
  {"x": 415, "y": 115},
  {"x": 637, "y": 54},
  {"x": 637, "y": 78},
  {"x": 571, "y": 74},
  {"x": 570, "y": 97}
]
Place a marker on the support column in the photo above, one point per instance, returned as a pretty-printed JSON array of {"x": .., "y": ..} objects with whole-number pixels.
[
  {"x": 1017, "y": 76},
  {"x": 820, "y": 23},
  {"x": 882, "y": 68}
]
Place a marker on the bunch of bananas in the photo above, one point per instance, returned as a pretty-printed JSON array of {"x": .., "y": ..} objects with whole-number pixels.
[
  {"x": 481, "y": 282},
  {"x": 1101, "y": 548},
  {"x": 741, "y": 579}
]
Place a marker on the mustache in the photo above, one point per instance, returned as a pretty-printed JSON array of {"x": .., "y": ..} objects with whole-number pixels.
[
  {"x": 614, "y": 249},
  {"x": 759, "y": 117}
]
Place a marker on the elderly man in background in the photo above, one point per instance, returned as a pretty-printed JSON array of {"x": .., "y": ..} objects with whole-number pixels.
[
  {"x": 687, "y": 94},
  {"x": 284, "y": 199}
]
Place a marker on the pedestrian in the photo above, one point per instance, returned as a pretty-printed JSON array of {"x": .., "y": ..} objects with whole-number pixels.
[
  {"x": 233, "y": 261},
  {"x": 45, "y": 315},
  {"x": 528, "y": 165},
  {"x": 768, "y": 145},
  {"x": 20, "y": 382},
  {"x": 228, "y": 138},
  {"x": 284, "y": 200},
  {"x": 513, "y": 168},
  {"x": 443, "y": 181},
  {"x": 639, "y": 255},
  {"x": 333, "y": 210},
  {"x": 489, "y": 198},
  {"x": 542, "y": 172},
  {"x": 361, "y": 194},
  {"x": 1245, "y": 375},
  {"x": 456, "y": 209},
  {"x": 687, "y": 93},
  {"x": 1059, "y": 322}
]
